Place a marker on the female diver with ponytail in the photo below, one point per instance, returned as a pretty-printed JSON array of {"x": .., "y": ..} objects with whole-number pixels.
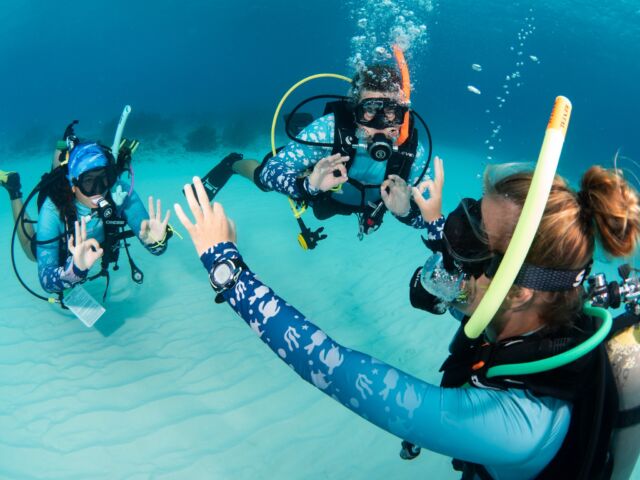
[{"x": 517, "y": 427}]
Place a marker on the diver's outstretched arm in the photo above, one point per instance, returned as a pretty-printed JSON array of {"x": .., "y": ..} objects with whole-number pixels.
[
  {"x": 11, "y": 181},
  {"x": 451, "y": 421}
]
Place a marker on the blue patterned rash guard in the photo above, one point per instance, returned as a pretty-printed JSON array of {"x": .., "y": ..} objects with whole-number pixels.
[
  {"x": 280, "y": 172},
  {"x": 55, "y": 277},
  {"x": 512, "y": 433}
]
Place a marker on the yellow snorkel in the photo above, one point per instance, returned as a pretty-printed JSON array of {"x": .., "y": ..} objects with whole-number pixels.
[
  {"x": 529, "y": 219},
  {"x": 518, "y": 248}
]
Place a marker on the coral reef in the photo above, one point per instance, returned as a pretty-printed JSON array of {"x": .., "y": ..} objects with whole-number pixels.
[{"x": 203, "y": 138}]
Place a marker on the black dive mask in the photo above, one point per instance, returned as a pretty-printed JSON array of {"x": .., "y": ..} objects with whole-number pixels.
[
  {"x": 97, "y": 181},
  {"x": 464, "y": 244},
  {"x": 380, "y": 113},
  {"x": 466, "y": 249},
  {"x": 460, "y": 254},
  {"x": 463, "y": 252}
]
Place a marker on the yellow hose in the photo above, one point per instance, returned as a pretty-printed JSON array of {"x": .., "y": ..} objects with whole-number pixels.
[
  {"x": 529, "y": 219},
  {"x": 297, "y": 213},
  {"x": 289, "y": 92}
]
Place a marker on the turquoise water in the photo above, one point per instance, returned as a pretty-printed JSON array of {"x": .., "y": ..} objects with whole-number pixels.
[{"x": 169, "y": 384}]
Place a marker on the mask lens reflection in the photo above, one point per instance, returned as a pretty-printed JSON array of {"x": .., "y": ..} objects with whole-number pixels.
[
  {"x": 372, "y": 107},
  {"x": 380, "y": 113}
]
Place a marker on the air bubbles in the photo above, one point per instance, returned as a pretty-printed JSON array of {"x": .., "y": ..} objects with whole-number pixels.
[
  {"x": 381, "y": 53},
  {"x": 498, "y": 93},
  {"x": 382, "y": 23}
]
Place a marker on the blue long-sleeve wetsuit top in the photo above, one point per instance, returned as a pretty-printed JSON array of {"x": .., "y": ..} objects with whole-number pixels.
[
  {"x": 55, "y": 277},
  {"x": 512, "y": 433},
  {"x": 281, "y": 171}
]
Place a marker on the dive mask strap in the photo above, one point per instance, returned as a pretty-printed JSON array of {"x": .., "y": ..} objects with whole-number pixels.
[{"x": 542, "y": 278}]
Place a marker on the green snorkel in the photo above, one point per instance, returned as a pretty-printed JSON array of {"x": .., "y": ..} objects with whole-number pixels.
[{"x": 519, "y": 246}]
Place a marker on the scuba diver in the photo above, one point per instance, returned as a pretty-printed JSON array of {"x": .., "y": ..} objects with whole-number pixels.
[
  {"x": 362, "y": 157},
  {"x": 80, "y": 214},
  {"x": 86, "y": 213},
  {"x": 10, "y": 181},
  {"x": 543, "y": 422}
]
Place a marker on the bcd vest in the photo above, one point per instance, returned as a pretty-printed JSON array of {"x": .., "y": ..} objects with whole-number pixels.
[{"x": 587, "y": 383}]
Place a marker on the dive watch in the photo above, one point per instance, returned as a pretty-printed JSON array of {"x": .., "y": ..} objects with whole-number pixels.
[{"x": 224, "y": 274}]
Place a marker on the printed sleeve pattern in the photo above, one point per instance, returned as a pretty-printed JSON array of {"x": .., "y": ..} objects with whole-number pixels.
[
  {"x": 281, "y": 171},
  {"x": 414, "y": 218},
  {"x": 435, "y": 229},
  {"x": 429, "y": 416},
  {"x": 54, "y": 277}
]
